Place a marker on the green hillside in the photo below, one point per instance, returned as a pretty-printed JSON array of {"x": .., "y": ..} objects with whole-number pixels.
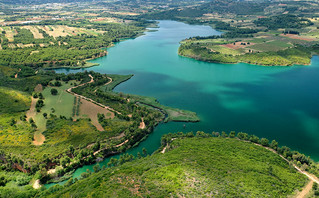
[{"x": 193, "y": 167}]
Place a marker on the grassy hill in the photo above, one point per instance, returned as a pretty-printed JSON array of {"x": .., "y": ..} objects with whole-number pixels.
[{"x": 193, "y": 167}]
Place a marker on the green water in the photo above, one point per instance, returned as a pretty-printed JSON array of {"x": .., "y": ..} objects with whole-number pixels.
[{"x": 274, "y": 102}]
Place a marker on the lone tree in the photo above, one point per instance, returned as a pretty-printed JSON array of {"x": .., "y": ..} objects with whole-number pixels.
[{"x": 54, "y": 91}]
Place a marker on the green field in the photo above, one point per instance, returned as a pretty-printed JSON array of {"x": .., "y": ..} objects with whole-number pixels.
[
  {"x": 271, "y": 46},
  {"x": 61, "y": 104},
  {"x": 194, "y": 167},
  {"x": 13, "y": 101},
  {"x": 173, "y": 114},
  {"x": 224, "y": 50}
]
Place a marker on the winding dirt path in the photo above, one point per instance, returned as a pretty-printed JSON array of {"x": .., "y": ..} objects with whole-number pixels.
[
  {"x": 111, "y": 80},
  {"x": 89, "y": 99},
  {"x": 98, "y": 151},
  {"x": 312, "y": 178},
  {"x": 305, "y": 190}
]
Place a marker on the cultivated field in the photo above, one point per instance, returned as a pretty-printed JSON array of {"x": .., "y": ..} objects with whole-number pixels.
[
  {"x": 63, "y": 30},
  {"x": 10, "y": 32},
  {"x": 90, "y": 110},
  {"x": 35, "y": 31}
]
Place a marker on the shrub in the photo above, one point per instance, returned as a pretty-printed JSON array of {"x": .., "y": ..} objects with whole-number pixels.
[{"x": 54, "y": 91}]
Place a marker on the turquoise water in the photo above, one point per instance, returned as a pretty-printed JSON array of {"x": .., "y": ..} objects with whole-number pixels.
[{"x": 274, "y": 102}]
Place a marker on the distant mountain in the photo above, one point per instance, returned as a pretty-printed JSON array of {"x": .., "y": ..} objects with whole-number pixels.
[
  {"x": 70, "y": 1},
  {"x": 41, "y": 1},
  {"x": 215, "y": 6}
]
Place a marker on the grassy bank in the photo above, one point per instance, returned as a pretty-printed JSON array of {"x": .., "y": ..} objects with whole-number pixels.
[{"x": 172, "y": 114}]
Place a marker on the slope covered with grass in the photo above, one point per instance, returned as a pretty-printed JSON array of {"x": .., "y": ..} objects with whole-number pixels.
[{"x": 193, "y": 167}]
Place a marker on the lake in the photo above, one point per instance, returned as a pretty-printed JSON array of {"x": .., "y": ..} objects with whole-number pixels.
[{"x": 280, "y": 103}]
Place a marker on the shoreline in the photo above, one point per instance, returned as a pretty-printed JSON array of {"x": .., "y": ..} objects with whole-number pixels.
[
  {"x": 75, "y": 68},
  {"x": 238, "y": 62}
]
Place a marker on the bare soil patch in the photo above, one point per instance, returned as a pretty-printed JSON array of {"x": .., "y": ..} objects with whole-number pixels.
[
  {"x": 36, "y": 184},
  {"x": 51, "y": 171},
  {"x": 11, "y": 45},
  {"x": 20, "y": 45},
  {"x": 39, "y": 138},
  {"x": 38, "y": 88},
  {"x": 33, "y": 52},
  {"x": 28, "y": 45},
  {"x": 58, "y": 31},
  {"x": 142, "y": 124},
  {"x": 237, "y": 45},
  {"x": 91, "y": 110},
  {"x": 31, "y": 113},
  {"x": 294, "y": 36}
]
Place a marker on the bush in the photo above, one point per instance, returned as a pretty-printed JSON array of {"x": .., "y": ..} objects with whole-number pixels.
[
  {"x": 54, "y": 91},
  {"x": 264, "y": 142}
]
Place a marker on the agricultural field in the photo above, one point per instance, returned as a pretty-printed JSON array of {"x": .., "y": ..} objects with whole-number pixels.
[
  {"x": 91, "y": 110},
  {"x": 263, "y": 49},
  {"x": 9, "y": 33},
  {"x": 35, "y": 31},
  {"x": 67, "y": 105},
  {"x": 61, "y": 45},
  {"x": 107, "y": 20}
]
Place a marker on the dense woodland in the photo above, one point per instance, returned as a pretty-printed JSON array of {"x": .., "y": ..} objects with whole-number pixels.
[
  {"x": 283, "y": 21},
  {"x": 204, "y": 162}
]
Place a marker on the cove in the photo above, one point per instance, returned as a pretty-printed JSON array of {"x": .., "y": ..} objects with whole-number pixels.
[{"x": 278, "y": 103}]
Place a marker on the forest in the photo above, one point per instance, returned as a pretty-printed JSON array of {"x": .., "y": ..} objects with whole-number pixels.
[{"x": 206, "y": 162}]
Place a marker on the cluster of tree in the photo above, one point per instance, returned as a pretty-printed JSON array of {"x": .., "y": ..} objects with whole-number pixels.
[
  {"x": 302, "y": 161},
  {"x": 232, "y": 32},
  {"x": 283, "y": 21},
  {"x": 216, "y": 6},
  {"x": 39, "y": 105},
  {"x": 291, "y": 32}
]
